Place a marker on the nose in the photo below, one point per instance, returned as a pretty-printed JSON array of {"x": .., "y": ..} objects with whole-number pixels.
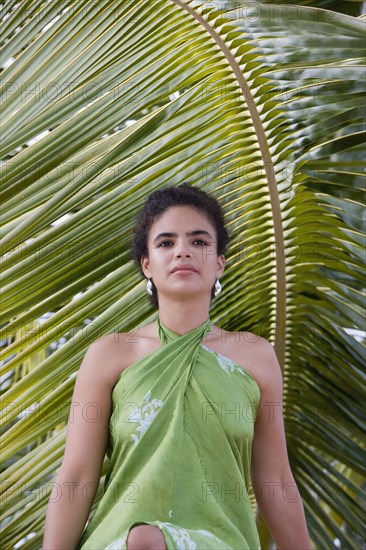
[
  {"x": 182, "y": 253},
  {"x": 182, "y": 250}
]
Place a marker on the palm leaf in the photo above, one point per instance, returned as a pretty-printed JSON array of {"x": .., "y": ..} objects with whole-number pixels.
[{"x": 110, "y": 101}]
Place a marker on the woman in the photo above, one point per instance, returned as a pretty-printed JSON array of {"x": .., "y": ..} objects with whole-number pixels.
[{"x": 189, "y": 414}]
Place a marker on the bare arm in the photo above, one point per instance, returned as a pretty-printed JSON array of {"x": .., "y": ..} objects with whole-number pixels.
[
  {"x": 275, "y": 489},
  {"x": 86, "y": 442}
]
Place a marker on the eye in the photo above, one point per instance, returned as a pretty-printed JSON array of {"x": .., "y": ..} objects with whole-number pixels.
[
  {"x": 200, "y": 242},
  {"x": 165, "y": 243}
]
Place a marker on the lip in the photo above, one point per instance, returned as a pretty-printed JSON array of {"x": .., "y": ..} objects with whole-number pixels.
[{"x": 184, "y": 268}]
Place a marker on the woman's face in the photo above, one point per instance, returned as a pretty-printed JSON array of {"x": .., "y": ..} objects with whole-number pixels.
[{"x": 183, "y": 237}]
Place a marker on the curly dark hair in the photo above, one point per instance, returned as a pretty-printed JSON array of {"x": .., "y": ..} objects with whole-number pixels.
[{"x": 162, "y": 199}]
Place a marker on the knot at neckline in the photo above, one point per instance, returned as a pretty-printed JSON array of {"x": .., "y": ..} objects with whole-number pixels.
[{"x": 166, "y": 334}]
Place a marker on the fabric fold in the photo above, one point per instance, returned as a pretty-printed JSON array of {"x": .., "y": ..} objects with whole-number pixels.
[{"x": 180, "y": 449}]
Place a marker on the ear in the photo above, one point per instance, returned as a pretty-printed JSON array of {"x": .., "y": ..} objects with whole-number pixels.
[
  {"x": 145, "y": 265},
  {"x": 220, "y": 265}
]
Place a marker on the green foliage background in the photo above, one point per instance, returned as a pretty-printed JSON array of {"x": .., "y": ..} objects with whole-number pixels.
[{"x": 260, "y": 104}]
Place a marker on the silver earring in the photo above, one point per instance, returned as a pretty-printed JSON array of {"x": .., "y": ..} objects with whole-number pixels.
[
  {"x": 218, "y": 288},
  {"x": 149, "y": 287}
]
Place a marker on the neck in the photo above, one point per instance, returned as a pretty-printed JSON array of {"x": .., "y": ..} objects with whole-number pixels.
[{"x": 182, "y": 316}]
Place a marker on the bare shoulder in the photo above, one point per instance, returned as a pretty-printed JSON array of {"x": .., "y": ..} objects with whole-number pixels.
[
  {"x": 252, "y": 352},
  {"x": 114, "y": 352},
  {"x": 106, "y": 357},
  {"x": 262, "y": 355}
]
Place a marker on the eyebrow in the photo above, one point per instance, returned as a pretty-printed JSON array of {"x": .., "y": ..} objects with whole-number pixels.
[{"x": 188, "y": 233}]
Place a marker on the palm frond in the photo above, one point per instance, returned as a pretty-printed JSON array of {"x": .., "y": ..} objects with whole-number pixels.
[{"x": 110, "y": 101}]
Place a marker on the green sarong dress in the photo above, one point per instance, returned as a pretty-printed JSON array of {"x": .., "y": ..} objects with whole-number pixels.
[{"x": 181, "y": 433}]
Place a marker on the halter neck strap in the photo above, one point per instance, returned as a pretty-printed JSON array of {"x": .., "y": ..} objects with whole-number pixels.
[{"x": 166, "y": 335}]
